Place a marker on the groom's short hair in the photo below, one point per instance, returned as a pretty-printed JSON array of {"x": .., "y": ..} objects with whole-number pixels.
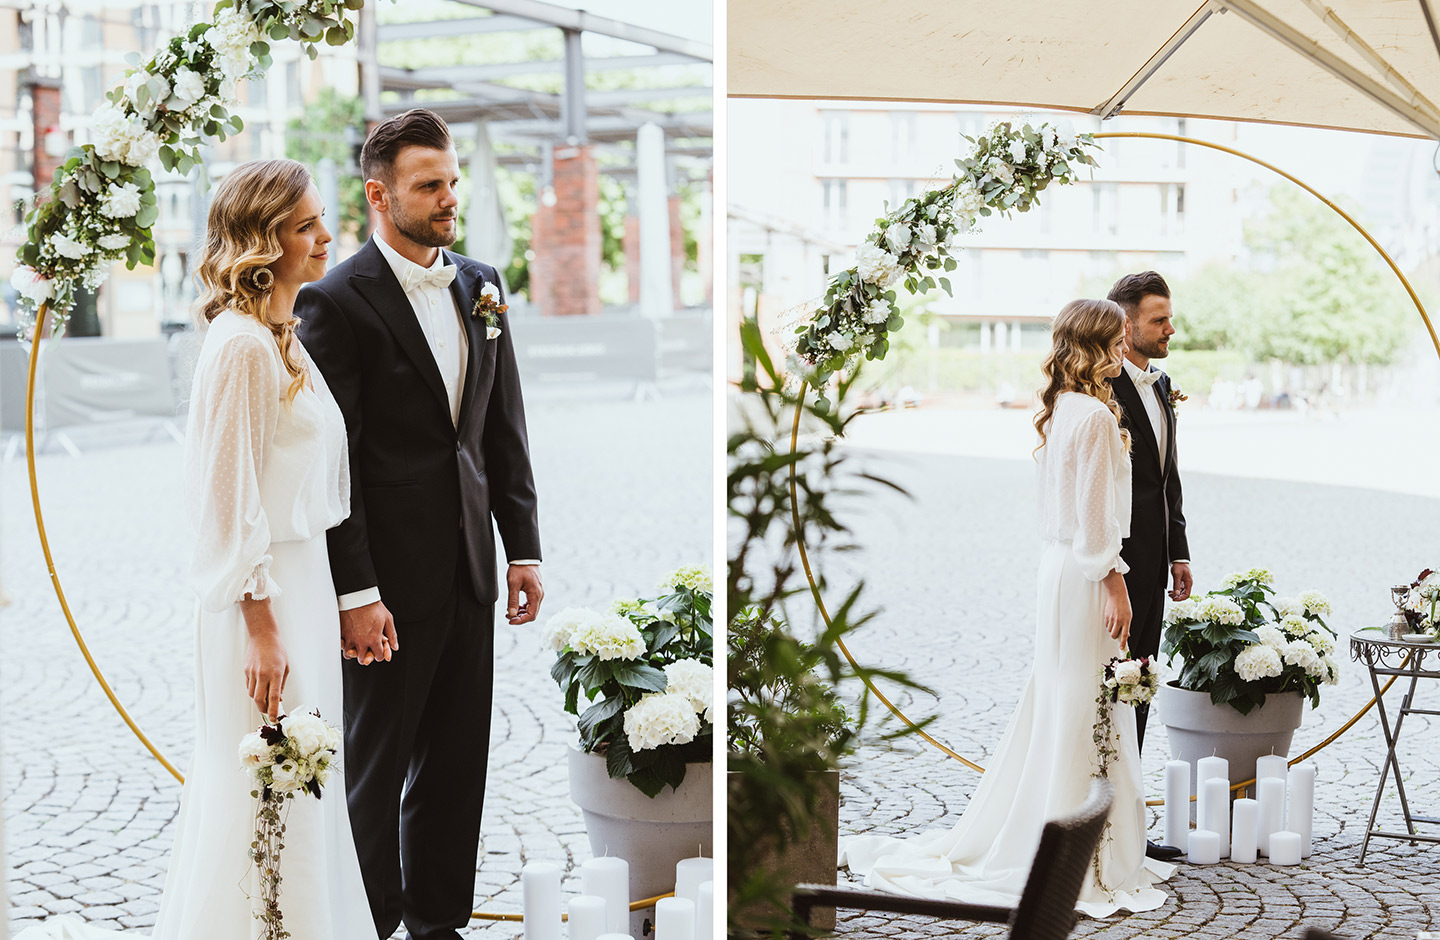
[
  {"x": 1133, "y": 288},
  {"x": 414, "y": 128}
]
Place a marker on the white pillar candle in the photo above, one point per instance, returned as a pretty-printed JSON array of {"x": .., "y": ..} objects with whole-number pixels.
[
  {"x": 1271, "y": 765},
  {"x": 587, "y": 917},
  {"x": 705, "y": 912},
  {"x": 1300, "y": 811},
  {"x": 1285, "y": 848},
  {"x": 540, "y": 897},
  {"x": 1272, "y": 811},
  {"x": 609, "y": 878},
  {"x": 675, "y": 919},
  {"x": 689, "y": 874},
  {"x": 1208, "y": 768},
  {"x": 1204, "y": 847},
  {"x": 1215, "y": 810},
  {"x": 1177, "y": 802},
  {"x": 1247, "y": 819}
]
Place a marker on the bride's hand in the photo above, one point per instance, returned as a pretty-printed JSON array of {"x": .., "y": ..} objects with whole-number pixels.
[
  {"x": 1117, "y": 608},
  {"x": 266, "y": 665}
]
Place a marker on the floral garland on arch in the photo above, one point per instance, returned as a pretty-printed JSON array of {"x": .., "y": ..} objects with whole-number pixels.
[
  {"x": 1006, "y": 172},
  {"x": 101, "y": 204}
]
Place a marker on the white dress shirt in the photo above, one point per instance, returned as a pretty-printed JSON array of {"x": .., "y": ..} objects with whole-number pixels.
[
  {"x": 1150, "y": 398},
  {"x": 439, "y": 319}
]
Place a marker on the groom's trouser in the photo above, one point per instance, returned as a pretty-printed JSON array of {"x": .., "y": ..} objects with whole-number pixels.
[
  {"x": 1146, "y": 586},
  {"x": 417, "y": 737}
]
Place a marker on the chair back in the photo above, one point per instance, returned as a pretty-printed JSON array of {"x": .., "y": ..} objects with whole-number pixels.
[{"x": 1067, "y": 847}]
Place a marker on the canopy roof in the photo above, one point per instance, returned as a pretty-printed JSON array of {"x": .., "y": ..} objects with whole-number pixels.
[{"x": 1364, "y": 65}]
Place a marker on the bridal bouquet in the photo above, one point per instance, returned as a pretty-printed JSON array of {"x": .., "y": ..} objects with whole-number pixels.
[
  {"x": 295, "y": 755},
  {"x": 644, "y": 668},
  {"x": 1240, "y": 645},
  {"x": 1421, "y": 603},
  {"x": 1130, "y": 681}
]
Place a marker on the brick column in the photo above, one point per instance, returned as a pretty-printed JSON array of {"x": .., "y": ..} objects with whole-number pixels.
[
  {"x": 565, "y": 275},
  {"x": 45, "y": 114},
  {"x": 631, "y": 244},
  {"x": 677, "y": 249}
]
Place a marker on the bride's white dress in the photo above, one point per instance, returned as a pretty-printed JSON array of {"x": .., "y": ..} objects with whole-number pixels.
[
  {"x": 263, "y": 481},
  {"x": 1044, "y": 763}
]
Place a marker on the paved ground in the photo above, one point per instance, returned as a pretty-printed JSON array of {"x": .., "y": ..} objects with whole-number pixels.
[
  {"x": 625, "y": 496},
  {"x": 954, "y": 571}
]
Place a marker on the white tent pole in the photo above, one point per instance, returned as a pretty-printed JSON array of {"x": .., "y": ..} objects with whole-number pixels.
[
  {"x": 1332, "y": 19},
  {"x": 1117, "y": 101},
  {"x": 1267, "y": 22},
  {"x": 657, "y": 299}
]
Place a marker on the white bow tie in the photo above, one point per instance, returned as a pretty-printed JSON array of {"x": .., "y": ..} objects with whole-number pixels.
[
  {"x": 416, "y": 277},
  {"x": 1147, "y": 379}
]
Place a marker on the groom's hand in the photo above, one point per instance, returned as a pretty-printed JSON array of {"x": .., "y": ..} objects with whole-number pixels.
[
  {"x": 368, "y": 633},
  {"x": 523, "y": 579},
  {"x": 1184, "y": 581}
]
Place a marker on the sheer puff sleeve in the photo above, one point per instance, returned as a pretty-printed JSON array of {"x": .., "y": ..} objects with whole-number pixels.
[
  {"x": 233, "y": 413},
  {"x": 1101, "y": 521}
]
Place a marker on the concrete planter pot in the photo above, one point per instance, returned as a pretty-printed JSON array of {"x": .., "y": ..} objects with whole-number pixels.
[
  {"x": 652, "y": 835},
  {"x": 1199, "y": 728}
]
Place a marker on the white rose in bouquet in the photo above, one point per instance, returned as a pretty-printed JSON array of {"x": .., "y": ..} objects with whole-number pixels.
[
  {"x": 121, "y": 201},
  {"x": 1127, "y": 672},
  {"x": 255, "y": 752},
  {"x": 560, "y": 628},
  {"x": 307, "y": 732},
  {"x": 114, "y": 242},
  {"x": 1258, "y": 661},
  {"x": 661, "y": 718},
  {"x": 609, "y": 638},
  {"x": 1001, "y": 170},
  {"x": 1017, "y": 151},
  {"x": 897, "y": 236},
  {"x": 841, "y": 342},
  {"x": 189, "y": 88},
  {"x": 875, "y": 265},
  {"x": 877, "y": 311},
  {"x": 927, "y": 238},
  {"x": 692, "y": 679},
  {"x": 287, "y": 777}
]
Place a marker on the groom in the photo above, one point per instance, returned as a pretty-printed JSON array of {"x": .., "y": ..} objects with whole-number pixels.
[
  {"x": 1156, "y": 550},
  {"x": 438, "y": 446}
]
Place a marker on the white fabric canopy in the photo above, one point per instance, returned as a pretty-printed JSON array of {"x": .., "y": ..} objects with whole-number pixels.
[{"x": 1366, "y": 65}]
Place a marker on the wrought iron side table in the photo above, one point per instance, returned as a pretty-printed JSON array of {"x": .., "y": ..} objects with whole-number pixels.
[{"x": 1401, "y": 659}]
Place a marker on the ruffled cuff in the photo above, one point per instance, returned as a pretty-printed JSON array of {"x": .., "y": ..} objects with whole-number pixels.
[
  {"x": 1097, "y": 567},
  {"x": 259, "y": 585}
]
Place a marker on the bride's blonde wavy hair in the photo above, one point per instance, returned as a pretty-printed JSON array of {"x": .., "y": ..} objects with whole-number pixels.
[
  {"x": 242, "y": 241},
  {"x": 1081, "y": 337}
]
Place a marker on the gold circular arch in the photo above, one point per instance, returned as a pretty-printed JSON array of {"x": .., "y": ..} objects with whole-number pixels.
[{"x": 800, "y": 409}]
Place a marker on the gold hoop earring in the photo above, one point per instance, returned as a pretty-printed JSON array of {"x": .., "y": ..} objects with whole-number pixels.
[{"x": 262, "y": 278}]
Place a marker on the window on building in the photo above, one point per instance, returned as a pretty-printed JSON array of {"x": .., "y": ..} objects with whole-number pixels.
[
  {"x": 900, "y": 190},
  {"x": 1172, "y": 209},
  {"x": 1106, "y": 208},
  {"x": 835, "y": 140},
  {"x": 902, "y": 136},
  {"x": 834, "y": 195},
  {"x": 1179, "y": 147}
]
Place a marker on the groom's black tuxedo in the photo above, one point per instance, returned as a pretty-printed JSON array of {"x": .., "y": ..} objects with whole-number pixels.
[
  {"x": 423, "y": 491},
  {"x": 1157, "y": 523}
]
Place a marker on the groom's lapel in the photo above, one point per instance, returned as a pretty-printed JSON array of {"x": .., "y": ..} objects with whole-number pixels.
[
  {"x": 376, "y": 283},
  {"x": 465, "y": 288},
  {"x": 1167, "y": 412},
  {"x": 1129, "y": 397}
]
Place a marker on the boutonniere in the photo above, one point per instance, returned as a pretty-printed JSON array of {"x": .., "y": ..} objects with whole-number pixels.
[
  {"x": 488, "y": 309},
  {"x": 1177, "y": 395}
]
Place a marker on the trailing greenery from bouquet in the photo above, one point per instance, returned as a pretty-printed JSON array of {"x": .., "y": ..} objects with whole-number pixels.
[
  {"x": 1124, "y": 681},
  {"x": 1008, "y": 169},
  {"x": 101, "y": 206},
  {"x": 292, "y": 757},
  {"x": 786, "y": 717},
  {"x": 645, "y": 668},
  {"x": 1239, "y": 645}
]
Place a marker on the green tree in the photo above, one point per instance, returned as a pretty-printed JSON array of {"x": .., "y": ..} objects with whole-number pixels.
[{"x": 321, "y": 133}]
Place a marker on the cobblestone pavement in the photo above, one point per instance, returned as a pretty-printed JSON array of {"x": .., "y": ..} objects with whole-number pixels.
[
  {"x": 625, "y": 494},
  {"x": 954, "y": 570}
]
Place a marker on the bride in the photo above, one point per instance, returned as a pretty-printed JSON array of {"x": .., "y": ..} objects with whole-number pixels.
[
  {"x": 1045, "y": 759},
  {"x": 265, "y": 475}
]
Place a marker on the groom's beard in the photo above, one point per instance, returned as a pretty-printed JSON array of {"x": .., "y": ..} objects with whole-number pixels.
[
  {"x": 420, "y": 230},
  {"x": 1155, "y": 350}
]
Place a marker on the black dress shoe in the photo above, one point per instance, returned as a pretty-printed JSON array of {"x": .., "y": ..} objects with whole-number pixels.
[{"x": 1162, "y": 853}]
